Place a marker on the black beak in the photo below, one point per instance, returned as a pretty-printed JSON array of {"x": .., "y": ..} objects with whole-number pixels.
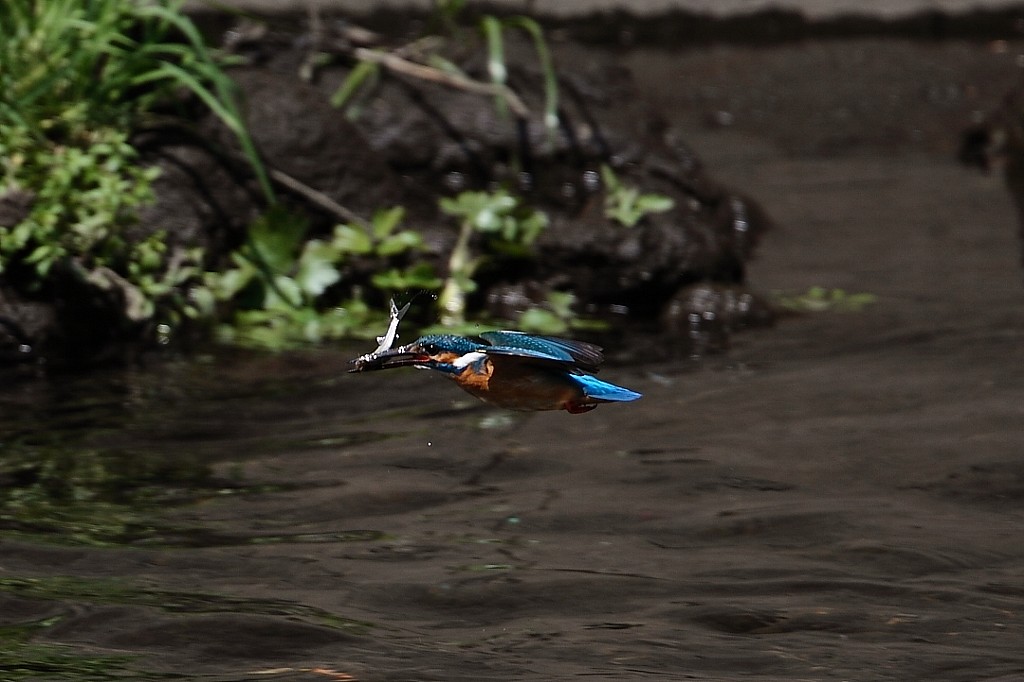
[{"x": 403, "y": 356}]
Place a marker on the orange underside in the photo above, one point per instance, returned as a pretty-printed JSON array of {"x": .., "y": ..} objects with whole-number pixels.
[{"x": 523, "y": 386}]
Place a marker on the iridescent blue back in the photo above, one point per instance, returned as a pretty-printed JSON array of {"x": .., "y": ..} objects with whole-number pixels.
[
  {"x": 451, "y": 343},
  {"x": 584, "y": 355}
]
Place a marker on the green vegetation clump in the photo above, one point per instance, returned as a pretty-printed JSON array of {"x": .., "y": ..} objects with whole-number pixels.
[
  {"x": 820, "y": 299},
  {"x": 280, "y": 281},
  {"x": 432, "y": 65},
  {"x": 84, "y": 193},
  {"x": 23, "y": 659},
  {"x": 507, "y": 224},
  {"x": 78, "y": 76},
  {"x": 557, "y": 315},
  {"x": 625, "y": 204}
]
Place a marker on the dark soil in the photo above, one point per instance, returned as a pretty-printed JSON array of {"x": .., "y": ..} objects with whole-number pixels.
[{"x": 414, "y": 142}]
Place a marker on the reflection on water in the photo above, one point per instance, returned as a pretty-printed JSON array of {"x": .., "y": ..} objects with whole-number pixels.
[
  {"x": 98, "y": 459},
  {"x": 269, "y": 517},
  {"x": 108, "y": 460},
  {"x": 119, "y": 592}
]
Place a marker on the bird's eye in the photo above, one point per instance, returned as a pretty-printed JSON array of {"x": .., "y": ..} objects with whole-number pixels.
[{"x": 429, "y": 348}]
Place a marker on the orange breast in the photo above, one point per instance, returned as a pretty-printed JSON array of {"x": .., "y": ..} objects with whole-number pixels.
[{"x": 516, "y": 385}]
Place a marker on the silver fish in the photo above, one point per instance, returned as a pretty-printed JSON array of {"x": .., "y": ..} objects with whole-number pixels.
[{"x": 385, "y": 342}]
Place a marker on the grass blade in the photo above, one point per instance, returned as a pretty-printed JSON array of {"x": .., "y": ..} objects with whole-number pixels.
[
  {"x": 496, "y": 68},
  {"x": 536, "y": 33}
]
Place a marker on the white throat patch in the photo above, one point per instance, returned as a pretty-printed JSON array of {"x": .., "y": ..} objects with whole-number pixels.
[{"x": 468, "y": 359}]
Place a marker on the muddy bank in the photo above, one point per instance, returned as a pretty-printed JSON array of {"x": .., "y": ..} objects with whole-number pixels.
[
  {"x": 408, "y": 141},
  {"x": 575, "y": 144}
]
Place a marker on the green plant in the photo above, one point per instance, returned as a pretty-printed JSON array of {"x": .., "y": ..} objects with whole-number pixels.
[
  {"x": 363, "y": 78},
  {"x": 500, "y": 216},
  {"x": 556, "y": 316},
  {"x": 626, "y": 205},
  {"x": 494, "y": 29},
  {"x": 429, "y": 64},
  {"x": 383, "y": 242},
  {"x": 820, "y": 299},
  {"x": 279, "y": 280},
  {"x": 72, "y": 67},
  {"x": 80, "y": 220},
  {"x": 77, "y": 76},
  {"x": 83, "y": 196}
]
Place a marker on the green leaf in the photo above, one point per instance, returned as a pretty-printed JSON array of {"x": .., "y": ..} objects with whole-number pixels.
[
  {"x": 529, "y": 227},
  {"x": 203, "y": 300},
  {"x": 283, "y": 294},
  {"x": 534, "y": 30},
  {"x": 610, "y": 179},
  {"x": 819, "y": 299},
  {"x": 496, "y": 68},
  {"x": 654, "y": 203},
  {"x": 465, "y": 283},
  {"x": 350, "y": 239},
  {"x": 386, "y": 220},
  {"x": 360, "y": 77},
  {"x": 420, "y": 276},
  {"x": 561, "y": 303},
  {"x": 225, "y": 286},
  {"x": 317, "y": 270},
  {"x": 542, "y": 321},
  {"x": 399, "y": 243},
  {"x": 626, "y": 205},
  {"x": 483, "y": 210},
  {"x": 275, "y": 237}
]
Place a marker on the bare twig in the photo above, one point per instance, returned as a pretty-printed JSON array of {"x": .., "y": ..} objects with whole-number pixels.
[
  {"x": 316, "y": 197},
  {"x": 429, "y": 73}
]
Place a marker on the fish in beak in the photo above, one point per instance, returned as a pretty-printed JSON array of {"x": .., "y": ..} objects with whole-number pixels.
[{"x": 403, "y": 356}]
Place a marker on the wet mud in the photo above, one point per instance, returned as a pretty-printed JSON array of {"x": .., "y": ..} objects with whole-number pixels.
[{"x": 839, "y": 497}]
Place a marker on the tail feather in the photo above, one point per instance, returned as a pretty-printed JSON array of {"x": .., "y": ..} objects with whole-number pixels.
[{"x": 602, "y": 390}]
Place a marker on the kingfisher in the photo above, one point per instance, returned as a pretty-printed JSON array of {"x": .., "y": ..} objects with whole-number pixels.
[{"x": 510, "y": 369}]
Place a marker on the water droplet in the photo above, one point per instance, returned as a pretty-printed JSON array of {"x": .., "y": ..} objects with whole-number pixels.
[
  {"x": 455, "y": 181},
  {"x": 723, "y": 119},
  {"x": 526, "y": 182}
]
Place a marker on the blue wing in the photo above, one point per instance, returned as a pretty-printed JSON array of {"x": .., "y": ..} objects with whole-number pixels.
[
  {"x": 602, "y": 390},
  {"x": 580, "y": 354}
]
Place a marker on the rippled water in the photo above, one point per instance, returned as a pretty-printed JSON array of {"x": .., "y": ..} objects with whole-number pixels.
[{"x": 841, "y": 497}]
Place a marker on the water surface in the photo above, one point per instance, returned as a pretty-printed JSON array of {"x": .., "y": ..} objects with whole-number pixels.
[{"x": 840, "y": 497}]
